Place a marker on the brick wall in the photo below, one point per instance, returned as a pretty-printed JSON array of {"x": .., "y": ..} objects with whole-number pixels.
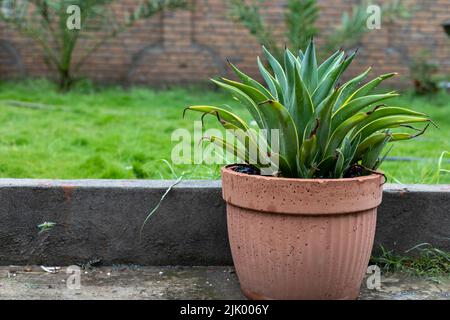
[{"x": 188, "y": 46}]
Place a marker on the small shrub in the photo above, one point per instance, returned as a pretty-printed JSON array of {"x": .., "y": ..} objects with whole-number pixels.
[{"x": 423, "y": 74}]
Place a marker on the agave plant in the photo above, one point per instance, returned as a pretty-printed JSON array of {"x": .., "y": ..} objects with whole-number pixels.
[{"x": 326, "y": 130}]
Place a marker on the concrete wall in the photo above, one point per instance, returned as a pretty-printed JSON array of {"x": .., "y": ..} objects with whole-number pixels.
[
  {"x": 101, "y": 218},
  {"x": 192, "y": 45}
]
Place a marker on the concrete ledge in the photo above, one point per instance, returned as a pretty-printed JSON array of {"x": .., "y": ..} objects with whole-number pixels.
[{"x": 102, "y": 218}]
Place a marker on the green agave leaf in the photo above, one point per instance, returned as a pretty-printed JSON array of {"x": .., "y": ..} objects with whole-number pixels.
[
  {"x": 284, "y": 166},
  {"x": 378, "y": 138},
  {"x": 247, "y": 138},
  {"x": 251, "y": 82},
  {"x": 278, "y": 71},
  {"x": 244, "y": 100},
  {"x": 349, "y": 88},
  {"x": 368, "y": 87},
  {"x": 222, "y": 114},
  {"x": 277, "y": 117},
  {"x": 261, "y": 156},
  {"x": 309, "y": 72},
  {"x": 325, "y": 167},
  {"x": 303, "y": 107},
  {"x": 327, "y": 85},
  {"x": 308, "y": 151},
  {"x": 290, "y": 62},
  {"x": 370, "y": 158},
  {"x": 387, "y": 123},
  {"x": 342, "y": 130},
  {"x": 331, "y": 63},
  {"x": 369, "y": 143},
  {"x": 346, "y": 147},
  {"x": 339, "y": 167},
  {"x": 323, "y": 114},
  {"x": 271, "y": 82},
  {"x": 301, "y": 56},
  {"x": 354, "y": 106},
  {"x": 381, "y": 160},
  {"x": 385, "y": 112},
  {"x": 349, "y": 151},
  {"x": 251, "y": 140},
  {"x": 254, "y": 94},
  {"x": 235, "y": 150},
  {"x": 302, "y": 172},
  {"x": 262, "y": 150}
]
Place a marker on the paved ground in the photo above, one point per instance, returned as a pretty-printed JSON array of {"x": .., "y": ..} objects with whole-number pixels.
[{"x": 133, "y": 282}]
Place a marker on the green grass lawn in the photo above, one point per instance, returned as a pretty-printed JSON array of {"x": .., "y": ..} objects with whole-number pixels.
[{"x": 114, "y": 133}]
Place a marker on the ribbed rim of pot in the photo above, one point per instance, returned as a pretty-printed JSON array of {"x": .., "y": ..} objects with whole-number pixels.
[{"x": 301, "y": 196}]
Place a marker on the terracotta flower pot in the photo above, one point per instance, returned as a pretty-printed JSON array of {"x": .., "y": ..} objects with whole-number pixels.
[{"x": 301, "y": 238}]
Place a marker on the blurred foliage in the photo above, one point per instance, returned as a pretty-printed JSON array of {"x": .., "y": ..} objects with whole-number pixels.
[
  {"x": 252, "y": 19},
  {"x": 350, "y": 31},
  {"x": 46, "y": 22},
  {"x": 423, "y": 73},
  {"x": 301, "y": 17},
  {"x": 397, "y": 9}
]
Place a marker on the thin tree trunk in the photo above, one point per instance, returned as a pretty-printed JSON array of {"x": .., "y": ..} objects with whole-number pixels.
[{"x": 65, "y": 80}]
